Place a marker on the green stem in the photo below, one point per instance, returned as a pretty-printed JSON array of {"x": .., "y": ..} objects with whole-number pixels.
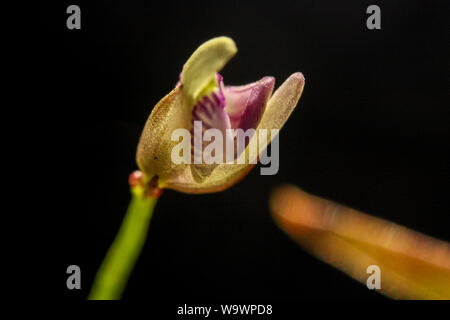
[{"x": 113, "y": 274}]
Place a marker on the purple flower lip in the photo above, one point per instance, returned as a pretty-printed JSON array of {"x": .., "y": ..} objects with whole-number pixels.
[
  {"x": 233, "y": 107},
  {"x": 243, "y": 105},
  {"x": 248, "y": 103}
]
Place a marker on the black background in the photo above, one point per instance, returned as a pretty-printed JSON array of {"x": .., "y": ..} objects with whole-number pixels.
[{"x": 370, "y": 131}]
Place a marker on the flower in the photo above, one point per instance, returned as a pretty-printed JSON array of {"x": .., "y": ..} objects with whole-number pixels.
[{"x": 201, "y": 95}]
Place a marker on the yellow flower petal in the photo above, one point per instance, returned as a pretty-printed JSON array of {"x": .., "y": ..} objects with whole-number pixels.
[
  {"x": 155, "y": 145},
  {"x": 200, "y": 69},
  {"x": 280, "y": 106},
  {"x": 283, "y": 102},
  {"x": 413, "y": 265}
]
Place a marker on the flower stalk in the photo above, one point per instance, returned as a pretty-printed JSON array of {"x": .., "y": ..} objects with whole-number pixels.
[{"x": 121, "y": 257}]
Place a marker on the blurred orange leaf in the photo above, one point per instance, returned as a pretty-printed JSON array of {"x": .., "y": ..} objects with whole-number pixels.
[{"x": 413, "y": 265}]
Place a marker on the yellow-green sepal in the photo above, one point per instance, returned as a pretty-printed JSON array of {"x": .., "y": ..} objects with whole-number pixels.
[{"x": 200, "y": 69}]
